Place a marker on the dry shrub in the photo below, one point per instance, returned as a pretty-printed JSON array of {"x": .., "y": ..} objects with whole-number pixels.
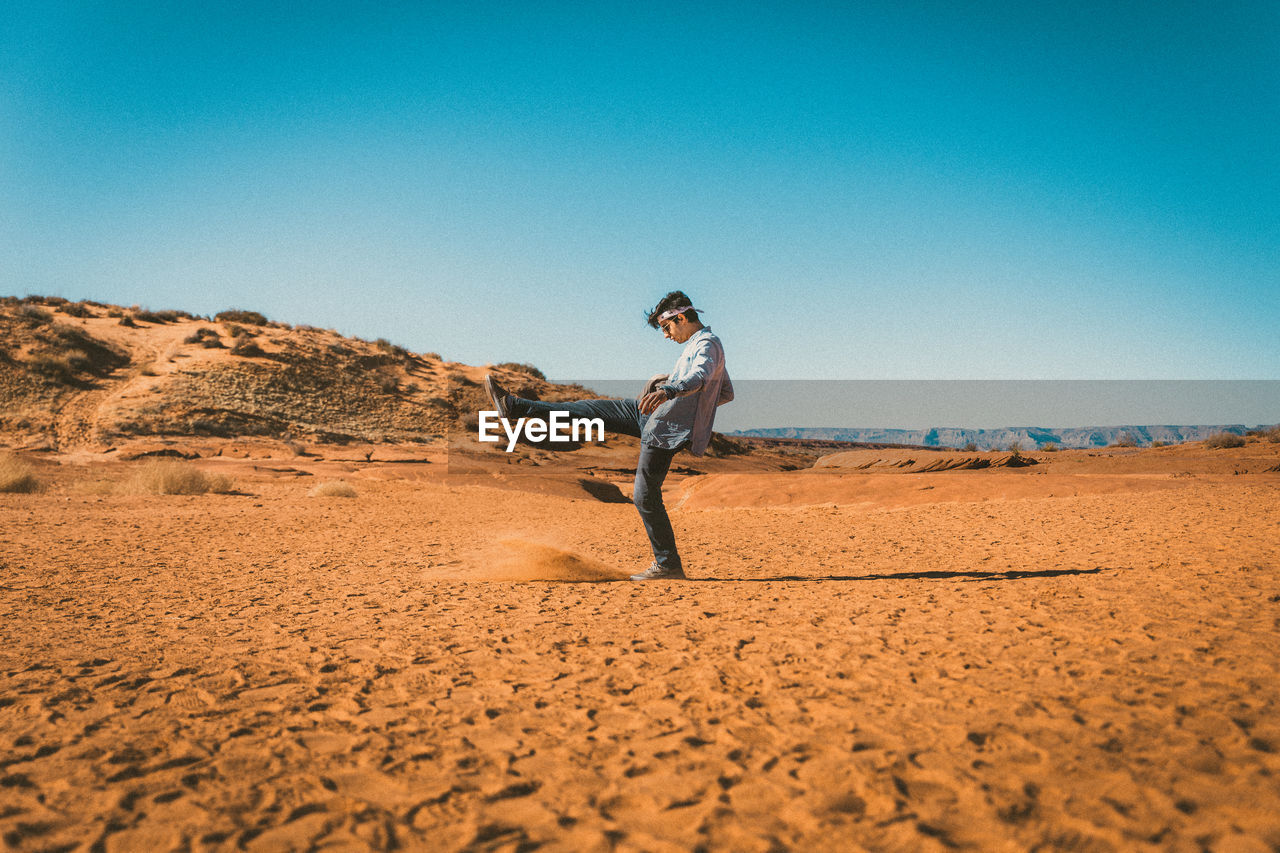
[
  {"x": 16, "y": 475},
  {"x": 527, "y": 369},
  {"x": 206, "y": 337},
  {"x": 168, "y": 477},
  {"x": 60, "y": 368},
  {"x": 251, "y": 318},
  {"x": 333, "y": 489},
  {"x": 1224, "y": 440},
  {"x": 247, "y": 348},
  {"x": 75, "y": 309},
  {"x": 145, "y": 315},
  {"x": 391, "y": 349},
  {"x": 1049, "y": 447},
  {"x": 35, "y": 316}
]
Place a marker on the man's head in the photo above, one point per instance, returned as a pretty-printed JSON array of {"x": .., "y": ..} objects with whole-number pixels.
[{"x": 675, "y": 316}]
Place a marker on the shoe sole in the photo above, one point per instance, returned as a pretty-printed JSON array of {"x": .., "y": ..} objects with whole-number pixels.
[{"x": 493, "y": 397}]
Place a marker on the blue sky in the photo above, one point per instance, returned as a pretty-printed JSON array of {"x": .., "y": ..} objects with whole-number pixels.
[{"x": 897, "y": 190}]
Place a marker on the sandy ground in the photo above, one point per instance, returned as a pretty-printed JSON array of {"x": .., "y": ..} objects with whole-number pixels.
[{"x": 1080, "y": 657}]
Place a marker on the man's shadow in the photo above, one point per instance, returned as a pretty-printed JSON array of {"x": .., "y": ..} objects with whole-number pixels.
[{"x": 968, "y": 577}]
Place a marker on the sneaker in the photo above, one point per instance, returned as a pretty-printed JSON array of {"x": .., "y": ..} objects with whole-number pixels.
[
  {"x": 658, "y": 573},
  {"x": 498, "y": 395}
]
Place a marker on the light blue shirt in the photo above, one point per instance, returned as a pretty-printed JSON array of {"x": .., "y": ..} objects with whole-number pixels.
[{"x": 699, "y": 382}]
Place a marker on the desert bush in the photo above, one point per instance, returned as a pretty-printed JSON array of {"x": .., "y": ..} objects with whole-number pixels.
[
  {"x": 1015, "y": 449},
  {"x": 206, "y": 337},
  {"x": 432, "y": 356},
  {"x": 528, "y": 369},
  {"x": 76, "y": 309},
  {"x": 333, "y": 489},
  {"x": 386, "y": 383},
  {"x": 126, "y": 320},
  {"x": 970, "y": 448},
  {"x": 1223, "y": 440},
  {"x": 247, "y": 348},
  {"x": 144, "y": 315},
  {"x": 61, "y": 367},
  {"x": 1159, "y": 444},
  {"x": 1125, "y": 439},
  {"x": 251, "y": 318},
  {"x": 390, "y": 348},
  {"x": 1273, "y": 435},
  {"x": 34, "y": 315},
  {"x": 168, "y": 477},
  {"x": 16, "y": 475},
  {"x": 1049, "y": 447}
]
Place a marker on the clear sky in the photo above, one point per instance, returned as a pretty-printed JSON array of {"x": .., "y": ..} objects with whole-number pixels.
[{"x": 850, "y": 190}]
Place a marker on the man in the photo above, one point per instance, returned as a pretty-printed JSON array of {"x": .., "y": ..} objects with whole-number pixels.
[{"x": 677, "y": 413}]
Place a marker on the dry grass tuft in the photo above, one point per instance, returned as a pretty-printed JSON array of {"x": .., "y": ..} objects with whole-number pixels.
[
  {"x": 167, "y": 477},
  {"x": 333, "y": 489},
  {"x": 16, "y": 475}
]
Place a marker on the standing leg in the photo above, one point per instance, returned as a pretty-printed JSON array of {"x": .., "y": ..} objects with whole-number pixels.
[{"x": 651, "y": 470}]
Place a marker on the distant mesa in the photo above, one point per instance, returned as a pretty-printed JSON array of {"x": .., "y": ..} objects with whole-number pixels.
[{"x": 1025, "y": 438}]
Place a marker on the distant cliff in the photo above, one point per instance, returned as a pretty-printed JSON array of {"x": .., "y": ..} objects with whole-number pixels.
[{"x": 1028, "y": 438}]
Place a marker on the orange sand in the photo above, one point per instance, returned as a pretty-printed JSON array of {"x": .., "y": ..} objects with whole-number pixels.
[{"x": 1081, "y": 655}]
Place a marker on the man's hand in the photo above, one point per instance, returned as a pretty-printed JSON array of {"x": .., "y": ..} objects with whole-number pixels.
[{"x": 650, "y": 402}]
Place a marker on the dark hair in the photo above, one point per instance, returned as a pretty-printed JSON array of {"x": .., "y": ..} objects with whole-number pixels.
[{"x": 674, "y": 299}]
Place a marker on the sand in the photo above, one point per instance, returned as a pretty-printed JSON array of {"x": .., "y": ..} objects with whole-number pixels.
[{"x": 1081, "y": 655}]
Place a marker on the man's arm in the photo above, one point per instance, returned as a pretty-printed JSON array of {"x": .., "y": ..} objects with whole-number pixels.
[{"x": 705, "y": 361}]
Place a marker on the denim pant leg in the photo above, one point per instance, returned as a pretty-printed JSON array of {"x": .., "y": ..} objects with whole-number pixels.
[
  {"x": 620, "y": 416},
  {"x": 651, "y": 470}
]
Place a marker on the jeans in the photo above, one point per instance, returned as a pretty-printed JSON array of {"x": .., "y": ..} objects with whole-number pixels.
[{"x": 623, "y": 416}]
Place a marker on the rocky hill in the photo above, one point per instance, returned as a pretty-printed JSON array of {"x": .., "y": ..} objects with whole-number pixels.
[{"x": 87, "y": 374}]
